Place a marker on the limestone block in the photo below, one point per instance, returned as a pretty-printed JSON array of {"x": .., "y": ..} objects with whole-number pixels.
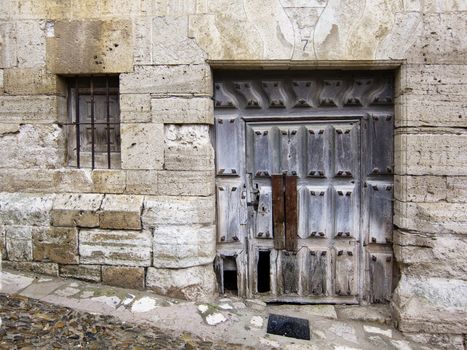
[
  {"x": 115, "y": 247},
  {"x": 109, "y": 181},
  {"x": 162, "y": 210},
  {"x": 82, "y": 272},
  {"x": 432, "y": 255},
  {"x": 32, "y": 109},
  {"x": 19, "y": 242},
  {"x": 170, "y": 42},
  {"x": 50, "y": 269},
  {"x": 30, "y": 43},
  {"x": 45, "y": 146},
  {"x": 8, "y": 56},
  {"x": 431, "y": 110},
  {"x": 439, "y": 217},
  {"x": 438, "y": 6},
  {"x": 26, "y": 180},
  {"x": 194, "y": 283},
  {"x": 183, "y": 246},
  {"x": 25, "y": 209},
  {"x": 90, "y": 46},
  {"x": 433, "y": 79},
  {"x": 142, "y": 146},
  {"x": 57, "y": 244},
  {"x": 2, "y": 82},
  {"x": 141, "y": 182},
  {"x": 179, "y": 110},
  {"x": 76, "y": 210},
  {"x": 442, "y": 40},
  {"x": 420, "y": 188},
  {"x": 142, "y": 49},
  {"x": 431, "y": 305},
  {"x": 165, "y": 80},
  {"x": 457, "y": 189},
  {"x": 135, "y": 108},
  {"x": 3, "y": 254},
  {"x": 418, "y": 152},
  {"x": 188, "y": 147},
  {"x": 74, "y": 180},
  {"x": 437, "y": 341},
  {"x": 186, "y": 183},
  {"x": 121, "y": 212},
  {"x": 33, "y": 81},
  {"x": 125, "y": 277}
]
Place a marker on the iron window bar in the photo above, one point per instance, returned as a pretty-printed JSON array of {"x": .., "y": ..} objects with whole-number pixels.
[{"x": 91, "y": 91}]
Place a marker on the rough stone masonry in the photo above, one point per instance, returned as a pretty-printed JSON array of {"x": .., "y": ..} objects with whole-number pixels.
[{"x": 153, "y": 218}]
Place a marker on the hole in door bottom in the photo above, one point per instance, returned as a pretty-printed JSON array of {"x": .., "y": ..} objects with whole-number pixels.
[
  {"x": 263, "y": 271},
  {"x": 230, "y": 275}
]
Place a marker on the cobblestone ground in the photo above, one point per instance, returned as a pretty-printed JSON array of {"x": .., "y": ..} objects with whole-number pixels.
[{"x": 32, "y": 324}]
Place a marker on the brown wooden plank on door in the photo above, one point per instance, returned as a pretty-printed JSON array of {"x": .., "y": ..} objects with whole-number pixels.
[
  {"x": 278, "y": 216},
  {"x": 291, "y": 216}
]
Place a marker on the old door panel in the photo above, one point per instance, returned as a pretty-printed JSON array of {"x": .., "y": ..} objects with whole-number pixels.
[
  {"x": 264, "y": 156},
  {"x": 345, "y": 274},
  {"x": 227, "y": 146},
  {"x": 380, "y": 211},
  {"x": 345, "y": 150},
  {"x": 264, "y": 228},
  {"x": 318, "y": 203},
  {"x": 344, "y": 211},
  {"x": 380, "y": 140},
  {"x": 316, "y": 268},
  {"x": 380, "y": 275},
  {"x": 317, "y": 150},
  {"x": 228, "y": 208},
  {"x": 288, "y": 279},
  {"x": 290, "y": 152}
]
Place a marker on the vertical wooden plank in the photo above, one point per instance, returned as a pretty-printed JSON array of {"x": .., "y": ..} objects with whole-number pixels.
[
  {"x": 264, "y": 227},
  {"x": 278, "y": 216},
  {"x": 380, "y": 277},
  {"x": 317, "y": 272},
  {"x": 291, "y": 213},
  {"x": 345, "y": 274},
  {"x": 289, "y": 266}
]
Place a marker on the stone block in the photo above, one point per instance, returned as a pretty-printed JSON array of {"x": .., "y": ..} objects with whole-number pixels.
[
  {"x": 420, "y": 188},
  {"x": 135, "y": 108},
  {"x": 30, "y": 43},
  {"x": 142, "y": 146},
  {"x": 70, "y": 210},
  {"x": 432, "y": 255},
  {"x": 418, "y": 152},
  {"x": 437, "y": 6},
  {"x": 125, "y": 277},
  {"x": 121, "y": 212},
  {"x": 185, "y": 183},
  {"x": 179, "y": 246},
  {"x": 82, "y": 272},
  {"x": 33, "y": 81},
  {"x": 32, "y": 109},
  {"x": 187, "y": 148},
  {"x": 76, "y": 180},
  {"x": 109, "y": 181},
  {"x": 3, "y": 254},
  {"x": 142, "y": 50},
  {"x": 25, "y": 209},
  {"x": 26, "y": 180},
  {"x": 180, "y": 110},
  {"x": 8, "y": 48},
  {"x": 115, "y": 247},
  {"x": 178, "y": 210},
  {"x": 90, "y": 46},
  {"x": 43, "y": 268},
  {"x": 19, "y": 242},
  {"x": 194, "y": 283},
  {"x": 457, "y": 189},
  {"x": 439, "y": 217},
  {"x": 430, "y": 305},
  {"x": 437, "y": 341},
  {"x": 57, "y": 244},
  {"x": 141, "y": 182},
  {"x": 442, "y": 40},
  {"x": 2, "y": 82},
  {"x": 168, "y": 80},
  {"x": 170, "y": 43},
  {"x": 34, "y": 146},
  {"x": 431, "y": 110}
]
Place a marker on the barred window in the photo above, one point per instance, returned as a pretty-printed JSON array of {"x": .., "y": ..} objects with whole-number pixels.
[{"x": 93, "y": 122}]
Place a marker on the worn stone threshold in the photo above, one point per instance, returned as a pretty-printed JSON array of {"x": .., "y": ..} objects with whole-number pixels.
[{"x": 232, "y": 320}]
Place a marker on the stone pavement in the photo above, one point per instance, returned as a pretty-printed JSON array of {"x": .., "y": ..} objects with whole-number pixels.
[{"x": 61, "y": 313}]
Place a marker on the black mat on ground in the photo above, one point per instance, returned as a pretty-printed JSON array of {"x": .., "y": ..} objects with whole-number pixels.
[{"x": 292, "y": 327}]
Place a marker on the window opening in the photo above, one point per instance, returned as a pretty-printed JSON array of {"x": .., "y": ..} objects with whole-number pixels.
[
  {"x": 230, "y": 275},
  {"x": 263, "y": 271}
]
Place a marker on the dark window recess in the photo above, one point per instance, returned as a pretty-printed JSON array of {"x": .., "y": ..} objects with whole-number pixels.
[
  {"x": 230, "y": 275},
  {"x": 93, "y": 122},
  {"x": 263, "y": 271}
]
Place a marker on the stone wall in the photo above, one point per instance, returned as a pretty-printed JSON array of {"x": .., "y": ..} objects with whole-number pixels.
[{"x": 68, "y": 221}]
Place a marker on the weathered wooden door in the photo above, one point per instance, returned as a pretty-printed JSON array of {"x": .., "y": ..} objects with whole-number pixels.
[{"x": 304, "y": 188}]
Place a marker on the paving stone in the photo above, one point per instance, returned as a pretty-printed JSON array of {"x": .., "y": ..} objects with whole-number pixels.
[
  {"x": 12, "y": 283},
  {"x": 371, "y": 313}
]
